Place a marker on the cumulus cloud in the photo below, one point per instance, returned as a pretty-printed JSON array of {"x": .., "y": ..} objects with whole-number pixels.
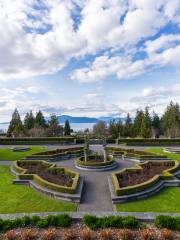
[{"x": 41, "y": 37}]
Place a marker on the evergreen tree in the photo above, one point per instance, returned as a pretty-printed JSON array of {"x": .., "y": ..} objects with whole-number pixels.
[
  {"x": 156, "y": 125},
  {"x": 128, "y": 126},
  {"x": 53, "y": 120},
  {"x": 137, "y": 123},
  {"x": 15, "y": 127},
  {"x": 40, "y": 120},
  {"x": 29, "y": 121},
  {"x": 171, "y": 120},
  {"x": 67, "y": 128},
  {"x": 146, "y": 124}
]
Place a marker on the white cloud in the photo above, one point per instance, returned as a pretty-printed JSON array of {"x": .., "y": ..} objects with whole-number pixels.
[{"x": 40, "y": 37}]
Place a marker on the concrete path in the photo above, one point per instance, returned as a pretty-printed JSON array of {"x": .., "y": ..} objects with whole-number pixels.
[{"x": 96, "y": 194}]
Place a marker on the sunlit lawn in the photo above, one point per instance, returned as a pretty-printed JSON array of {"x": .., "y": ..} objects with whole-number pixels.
[
  {"x": 166, "y": 201},
  {"x": 160, "y": 150},
  {"x": 8, "y": 154},
  {"x": 20, "y": 198}
]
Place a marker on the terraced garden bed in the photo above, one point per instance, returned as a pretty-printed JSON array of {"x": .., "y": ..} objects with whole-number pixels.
[
  {"x": 57, "y": 154},
  {"x": 149, "y": 170},
  {"x": 144, "y": 176},
  {"x": 56, "y": 176},
  {"x": 47, "y": 175}
]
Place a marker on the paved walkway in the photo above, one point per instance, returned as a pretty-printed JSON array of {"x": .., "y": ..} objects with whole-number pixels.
[{"x": 96, "y": 194}]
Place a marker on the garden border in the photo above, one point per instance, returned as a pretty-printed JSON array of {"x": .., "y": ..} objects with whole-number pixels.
[{"x": 72, "y": 193}]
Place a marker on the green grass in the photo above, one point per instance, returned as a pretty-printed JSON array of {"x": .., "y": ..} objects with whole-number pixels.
[
  {"x": 8, "y": 154},
  {"x": 173, "y": 156},
  {"x": 20, "y": 198},
  {"x": 166, "y": 201}
]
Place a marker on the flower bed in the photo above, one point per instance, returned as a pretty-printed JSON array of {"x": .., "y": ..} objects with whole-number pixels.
[
  {"x": 47, "y": 175},
  {"x": 132, "y": 180}
]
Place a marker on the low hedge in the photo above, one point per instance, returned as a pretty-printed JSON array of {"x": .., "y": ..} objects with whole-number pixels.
[
  {"x": 166, "y": 175},
  {"x": 148, "y": 142},
  {"x": 134, "y": 153},
  {"x": 169, "y": 222},
  {"x": 62, "y": 220},
  {"x": 94, "y": 222},
  {"x": 51, "y": 186},
  {"x": 81, "y": 162},
  {"x": 35, "y": 140}
]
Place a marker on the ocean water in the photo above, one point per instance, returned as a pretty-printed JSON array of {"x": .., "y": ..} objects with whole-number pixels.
[{"x": 74, "y": 126}]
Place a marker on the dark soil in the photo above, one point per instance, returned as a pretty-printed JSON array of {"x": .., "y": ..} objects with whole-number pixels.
[
  {"x": 45, "y": 173},
  {"x": 149, "y": 171}
]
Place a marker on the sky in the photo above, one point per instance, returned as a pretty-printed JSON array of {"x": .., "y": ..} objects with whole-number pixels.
[{"x": 88, "y": 57}]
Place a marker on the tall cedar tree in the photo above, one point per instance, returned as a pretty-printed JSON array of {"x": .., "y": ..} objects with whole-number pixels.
[
  {"x": 146, "y": 124},
  {"x": 40, "y": 120},
  {"x": 171, "y": 120},
  {"x": 67, "y": 128},
  {"x": 156, "y": 125},
  {"x": 29, "y": 121},
  {"x": 128, "y": 126},
  {"x": 15, "y": 127},
  {"x": 53, "y": 120},
  {"x": 137, "y": 123}
]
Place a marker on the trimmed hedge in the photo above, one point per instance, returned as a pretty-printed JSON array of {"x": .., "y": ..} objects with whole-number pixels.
[
  {"x": 169, "y": 222},
  {"x": 21, "y": 172},
  {"x": 35, "y": 140},
  {"x": 62, "y": 220},
  {"x": 166, "y": 174},
  {"x": 94, "y": 222},
  {"x": 56, "y": 153},
  {"x": 148, "y": 142},
  {"x": 80, "y": 162},
  {"x": 132, "y": 153}
]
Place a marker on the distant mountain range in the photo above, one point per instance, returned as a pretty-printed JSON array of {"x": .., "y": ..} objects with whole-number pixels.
[{"x": 71, "y": 119}]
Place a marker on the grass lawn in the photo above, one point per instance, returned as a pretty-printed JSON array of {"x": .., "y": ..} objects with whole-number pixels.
[
  {"x": 19, "y": 198},
  {"x": 7, "y": 154},
  {"x": 166, "y": 201},
  {"x": 173, "y": 156}
]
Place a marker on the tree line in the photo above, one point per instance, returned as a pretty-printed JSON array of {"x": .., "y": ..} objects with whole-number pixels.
[
  {"x": 143, "y": 125},
  {"x": 36, "y": 126}
]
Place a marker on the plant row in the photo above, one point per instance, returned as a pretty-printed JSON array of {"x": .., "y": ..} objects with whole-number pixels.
[{"x": 92, "y": 222}]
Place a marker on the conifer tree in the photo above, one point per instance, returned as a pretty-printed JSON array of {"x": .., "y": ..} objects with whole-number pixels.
[
  {"x": 29, "y": 121},
  {"x": 128, "y": 126},
  {"x": 40, "y": 120},
  {"x": 67, "y": 128},
  {"x": 15, "y": 127},
  {"x": 146, "y": 124},
  {"x": 137, "y": 123}
]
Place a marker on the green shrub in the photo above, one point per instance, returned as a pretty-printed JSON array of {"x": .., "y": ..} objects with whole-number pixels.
[
  {"x": 62, "y": 220},
  {"x": 42, "y": 223},
  {"x": 34, "y": 220},
  {"x": 169, "y": 222},
  {"x": 91, "y": 221},
  {"x": 94, "y": 222}
]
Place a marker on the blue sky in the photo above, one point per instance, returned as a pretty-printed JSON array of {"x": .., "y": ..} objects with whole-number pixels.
[{"x": 89, "y": 57}]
